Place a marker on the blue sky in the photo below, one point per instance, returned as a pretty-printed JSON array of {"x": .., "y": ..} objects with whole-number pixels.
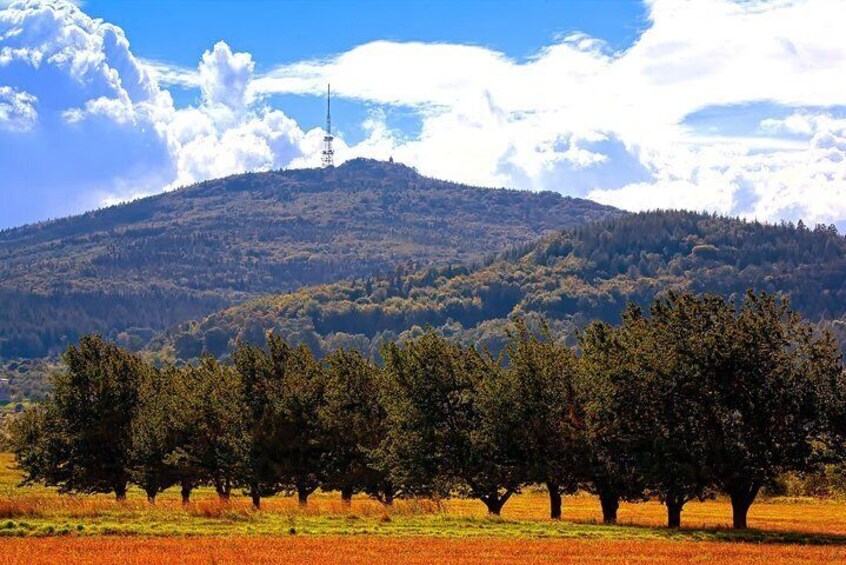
[
  {"x": 278, "y": 33},
  {"x": 700, "y": 104}
]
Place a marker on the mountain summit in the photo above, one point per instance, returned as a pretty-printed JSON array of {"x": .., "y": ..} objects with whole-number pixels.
[{"x": 130, "y": 270}]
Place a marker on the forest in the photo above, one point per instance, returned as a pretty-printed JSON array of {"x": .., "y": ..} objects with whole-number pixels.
[
  {"x": 131, "y": 270},
  {"x": 570, "y": 278},
  {"x": 693, "y": 396}
]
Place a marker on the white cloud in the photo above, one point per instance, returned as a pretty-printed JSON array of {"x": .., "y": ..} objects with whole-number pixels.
[
  {"x": 17, "y": 109},
  {"x": 576, "y": 117},
  {"x": 110, "y": 121},
  {"x": 224, "y": 77},
  {"x": 582, "y": 119}
]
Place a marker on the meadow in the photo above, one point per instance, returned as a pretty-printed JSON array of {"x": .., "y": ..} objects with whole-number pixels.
[{"x": 38, "y": 525}]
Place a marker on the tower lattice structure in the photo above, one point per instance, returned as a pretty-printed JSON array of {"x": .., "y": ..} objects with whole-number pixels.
[{"x": 328, "y": 159}]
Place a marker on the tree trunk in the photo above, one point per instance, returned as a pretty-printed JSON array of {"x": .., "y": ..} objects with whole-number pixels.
[
  {"x": 494, "y": 506},
  {"x": 120, "y": 491},
  {"x": 386, "y": 497},
  {"x": 151, "y": 494},
  {"x": 346, "y": 496},
  {"x": 610, "y": 503},
  {"x": 674, "y": 510},
  {"x": 302, "y": 495},
  {"x": 222, "y": 490},
  {"x": 494, "y": 502},
  {"x": 554, "y": 500},
  {"x": 185, "y": 490},
  {"x": 742, "y": 498},
  {"x": 256, "y": 498}
]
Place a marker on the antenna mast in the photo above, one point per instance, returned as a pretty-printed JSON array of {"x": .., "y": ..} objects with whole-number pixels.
[{"x": 328, "y": 153}]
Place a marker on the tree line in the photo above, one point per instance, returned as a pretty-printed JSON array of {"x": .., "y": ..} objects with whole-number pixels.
[
  {"x": 698, "y": 396},
  {"x": 140, "y": 268},
  {"x": 586, "y": 273}
]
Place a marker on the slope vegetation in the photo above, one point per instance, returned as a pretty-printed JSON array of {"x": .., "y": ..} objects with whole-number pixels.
[
  {"x": 585, "y": 273},
  {"x": 131, "y": 270}
]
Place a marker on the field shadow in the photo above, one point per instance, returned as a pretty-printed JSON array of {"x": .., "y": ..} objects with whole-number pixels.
[{"x": 750, "y": 535}]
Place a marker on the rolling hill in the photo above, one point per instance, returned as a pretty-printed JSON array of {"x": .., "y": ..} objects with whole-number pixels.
[
  {"x": 588, "y": 272},
  {"x": 131, "y": 270}
]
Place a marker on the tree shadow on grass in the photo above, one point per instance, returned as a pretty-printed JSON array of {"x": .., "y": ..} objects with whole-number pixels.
[{"x": 750, "y": 535}]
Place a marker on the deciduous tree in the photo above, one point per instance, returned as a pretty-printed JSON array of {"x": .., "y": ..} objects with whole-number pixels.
[{"x": 441, "y": 436}]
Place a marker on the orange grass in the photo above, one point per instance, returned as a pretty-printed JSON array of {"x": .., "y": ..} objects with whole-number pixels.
[
  {"x": 42, "y": 504},
  {"x": 373, "y": 550},
  {"x": 802, "y": 516}
]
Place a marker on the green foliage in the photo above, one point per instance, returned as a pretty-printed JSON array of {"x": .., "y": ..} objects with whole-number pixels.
[
  {"x": 283, "y": 390},
  {"x": 605, "y": 369},
  {"x": 214, "y": 419},
  {"x": 155, "y": 432},
  {"x": 588, "y": 273},
  {"x": 705, "y": 394},
  {"x": 442, "y": 433},
  {"x": 544, "y": 411},
  {"x": 701, "y": 395},
  {"x": 133, "y": 269},
  {"x": 82, "y": 439},
  {"x": 352, "y": 422}
]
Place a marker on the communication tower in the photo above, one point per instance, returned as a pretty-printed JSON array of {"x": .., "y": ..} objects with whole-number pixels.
[{"x": 328, "y": 153}]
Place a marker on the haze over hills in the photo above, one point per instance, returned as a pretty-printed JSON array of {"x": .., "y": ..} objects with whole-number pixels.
[
  {"x": 131, "y": 270},
  {"x": 589, "y": 272}
]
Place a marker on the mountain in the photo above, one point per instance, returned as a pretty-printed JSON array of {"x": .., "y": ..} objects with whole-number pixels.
[
  {"x": 131, "y": 270},
  {"x": 588, "y": 272}
]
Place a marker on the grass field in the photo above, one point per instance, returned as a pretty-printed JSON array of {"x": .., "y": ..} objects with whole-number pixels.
[{"x": 39, "y": 526}]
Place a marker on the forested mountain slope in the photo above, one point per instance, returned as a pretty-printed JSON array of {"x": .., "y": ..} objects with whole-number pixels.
[
  {"x": 131, "y": 270},
  {"x": 588, "y": 272}
]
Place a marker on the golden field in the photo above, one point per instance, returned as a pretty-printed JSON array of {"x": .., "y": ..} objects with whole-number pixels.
[
  {"x": 39, "y": 526},
  {"x": 416, "y": 550}
]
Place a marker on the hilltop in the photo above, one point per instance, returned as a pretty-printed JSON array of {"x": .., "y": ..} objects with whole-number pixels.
[
  {"x": 588, "y": 272},
  {"x": 131, "y": 270}
]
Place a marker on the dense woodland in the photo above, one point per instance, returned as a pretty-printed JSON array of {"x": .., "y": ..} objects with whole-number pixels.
[
  {"x": 134, "y": 269},
  {"x": 586, "y": 273},
  {"x": 698, "y": 396}
]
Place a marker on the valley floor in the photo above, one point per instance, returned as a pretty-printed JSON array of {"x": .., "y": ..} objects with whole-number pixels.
[{"x": 39, "y": 526}]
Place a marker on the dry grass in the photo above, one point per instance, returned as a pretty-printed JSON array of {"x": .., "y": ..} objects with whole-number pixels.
[
  {"x": 373, "y": 550},
  {"x": 797, "y": 515},
  {"x": 39, "y": 526},
  {"x": 807, "y": 516},
  {"x": 24, "y": 503}
]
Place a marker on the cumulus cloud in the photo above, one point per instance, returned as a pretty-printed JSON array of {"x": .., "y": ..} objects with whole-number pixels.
[
  {"x": 577, "y": 116},
  {"x": 224, "y": 76},
  {"x": 17, "y": 109},
  {"x": 582, "y": 119},
  {"x": 84, "y": 122}
]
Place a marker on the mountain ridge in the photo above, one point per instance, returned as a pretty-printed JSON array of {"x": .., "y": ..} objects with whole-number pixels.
[
  {"x": 130, "y": 270},
  {"x": 588, "y": 272}
]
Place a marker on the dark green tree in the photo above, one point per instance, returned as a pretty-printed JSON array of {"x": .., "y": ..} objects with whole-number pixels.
[
  {"x": 673, "y": 352},
  {"x": 442, "y": 436},
  {"x": 214, "y": 437},
  {"x": 605, "y": 366},
  {"x": 294, "y": 423},
  {"x": 154, "y": 431},
  {"x": 771, "y": 382},
  {"x": 40, "y": 449},
  {"x": 82, "y": 438},
  {"x": 261, "y": 388},
  {"x": 352, "y": 423},
  {"x": 543, "y": 409}
]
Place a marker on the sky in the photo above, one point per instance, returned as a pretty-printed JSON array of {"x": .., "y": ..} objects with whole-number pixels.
[{"x": 731, "y": 107}]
